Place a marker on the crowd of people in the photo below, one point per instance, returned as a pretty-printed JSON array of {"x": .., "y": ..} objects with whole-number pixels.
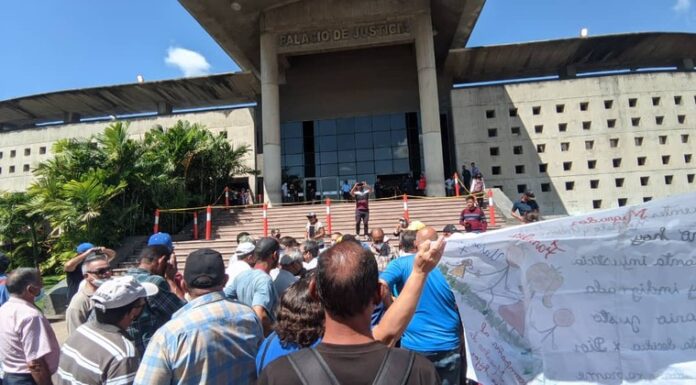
[{"x": 281, "y": 312}]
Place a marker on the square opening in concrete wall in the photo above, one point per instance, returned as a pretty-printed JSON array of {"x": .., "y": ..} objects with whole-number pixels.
[
  {"x": 495, "y": 170},
  {"x": 689, "y": 178},
  {"x": 512, "y": 112},
  {"x": 515, "y": 131},
  {"x": 647, "y": 199},
  {"x": 560, "y": 108},
  {"x": 619, "y": 182},
  {"x": 521, "y": 188},
  {"x": 565, "y": 146},
  {"x": 541, "y": 148},
  {"x": 586, "y": 125},
  {"x": 567, "y": 166},
  {"x": 594, "y": 183},
  {"x": 589, "y": 144},
  {"x": 632, "y": 102},
  {"x": 608, "y": 104},
  {"x": 677, "y": 100},
  {"x": 659, "y": 120},
  {"x": 644, "y": 180},
  {"x": 681, "y": 119},
  {"x": 611, "y": 123},
  {"x": 638, "y": 140},
  {"x": 656, "y": 101},
  {"x": 662, "y": 139},
  {"x": 616, "y": 162},
  {"x": 641, "y": 160},
  {"x": 614, "y": 142},
  {"x": 622, "y": 202},
  {"x": 519, "y": 169},
  {"x": 668, "y": 179},
  {"x": 539, "y": 128},
  {"x": 584, "y": 106},
  {"x": 517, "y": 150},
  {"x": 490, "y": 114},
  {"x": 569, "y": 185},
  {"x": 597, "y": 204},
  {"x": 494, "y": 151},
  {"x": 665, "y": 159},
  {"x": 562, "y": 127},
  {"x": 543, "y": 167},
  {"x": 536, "y": 110},
  {"x": 492, "y": 132},
  {"x": 591, "y": 164},
  {"x": 687, "y": 158},
  {"x": 635, "y": 122},
  {"x": 685, "y": 138}
]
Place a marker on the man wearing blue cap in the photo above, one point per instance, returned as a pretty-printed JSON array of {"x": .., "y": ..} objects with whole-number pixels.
[{"x": 73, "y": 267}]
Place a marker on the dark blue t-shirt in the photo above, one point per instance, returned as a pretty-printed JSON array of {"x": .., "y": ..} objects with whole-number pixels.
[
  {"x": 271, "y": 349},
  {"x": 435, "y": 326},
  {"x": 525, "y": 207}
]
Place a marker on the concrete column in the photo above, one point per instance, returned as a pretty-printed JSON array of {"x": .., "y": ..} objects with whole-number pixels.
[
  {"x": 429, "y": 105},
  {"x": 270, "y": 119}
]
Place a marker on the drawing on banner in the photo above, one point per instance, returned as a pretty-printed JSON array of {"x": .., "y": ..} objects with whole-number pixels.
[{"x": 593, "y": 299}]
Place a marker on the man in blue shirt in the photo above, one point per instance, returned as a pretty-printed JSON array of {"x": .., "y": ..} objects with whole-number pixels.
[
  {"x": 254, "y": 287},
  {"x": 435, "y": 330},
  {"x": 4, "y": 264},
  {"x": 527, "y": 208}
]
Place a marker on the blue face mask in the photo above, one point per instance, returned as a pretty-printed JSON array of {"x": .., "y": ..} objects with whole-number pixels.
[{"x": 40, "y": 296}]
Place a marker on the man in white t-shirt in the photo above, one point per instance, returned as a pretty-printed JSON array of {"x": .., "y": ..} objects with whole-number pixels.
[
  {"x": 242, "y": 259},
  {"x": 314, "y": 230}
]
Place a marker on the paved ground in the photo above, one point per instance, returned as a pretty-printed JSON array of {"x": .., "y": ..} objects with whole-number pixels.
[{"x": 61, "y": 330}]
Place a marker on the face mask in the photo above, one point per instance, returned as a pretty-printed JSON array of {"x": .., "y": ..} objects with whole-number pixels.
[
  {"x": 40, "y": 295},
  {"x": 98, "y": 282}
]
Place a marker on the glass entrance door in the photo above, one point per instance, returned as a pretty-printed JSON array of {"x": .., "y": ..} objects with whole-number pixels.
[{"x": 320, "y": 188}]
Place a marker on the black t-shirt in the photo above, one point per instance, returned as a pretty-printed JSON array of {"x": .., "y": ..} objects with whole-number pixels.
[
  {"x": 73, "y": 279},
  {"x": 351, "y": 364}
]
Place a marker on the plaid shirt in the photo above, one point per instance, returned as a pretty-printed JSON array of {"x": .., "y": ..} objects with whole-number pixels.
[
  {"x": 158, "y": 311},
  {"x": 211, "y": 340}
]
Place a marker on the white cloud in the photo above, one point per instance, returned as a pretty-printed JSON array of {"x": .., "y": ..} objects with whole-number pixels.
[
  {"x": 682, "y": 5},
  {"x": 191, "y": 63}
]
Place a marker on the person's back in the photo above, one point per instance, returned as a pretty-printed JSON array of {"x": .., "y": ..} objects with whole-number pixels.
[
  {"x": 211, "y": 340},
  {"x": 100, "y": 351},
  {"x": 348, "y": 352},
  {"x": 437, "y": 303}
]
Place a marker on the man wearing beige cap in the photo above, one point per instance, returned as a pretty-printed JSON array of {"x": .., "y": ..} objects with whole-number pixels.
[{"x": 101, "y": 351}]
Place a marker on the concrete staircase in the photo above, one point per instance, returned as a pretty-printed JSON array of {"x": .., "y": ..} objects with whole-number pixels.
[{"x": 291, "y": 220}]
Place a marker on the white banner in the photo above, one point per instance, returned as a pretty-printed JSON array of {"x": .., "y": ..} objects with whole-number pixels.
[{"x": 603, "y": 298}]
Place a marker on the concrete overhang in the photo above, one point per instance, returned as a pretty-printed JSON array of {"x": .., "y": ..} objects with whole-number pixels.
[
  {"x": 235, "y": 24},
  {"x": 129, "y": 99},
  {"x": 569, "y": 57}
]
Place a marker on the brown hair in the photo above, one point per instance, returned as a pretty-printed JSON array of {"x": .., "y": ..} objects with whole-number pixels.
[{"x": 300, "y": 318}]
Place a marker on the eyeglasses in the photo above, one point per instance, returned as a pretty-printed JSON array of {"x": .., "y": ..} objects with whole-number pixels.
[{"x": 102, "y": 271}]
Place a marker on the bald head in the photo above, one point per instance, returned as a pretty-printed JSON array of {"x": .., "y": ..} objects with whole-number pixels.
[
  {"x": 426, "y": 234},
  {"x": 347, "y": 279},
  {"x": 377, "y": 235}
]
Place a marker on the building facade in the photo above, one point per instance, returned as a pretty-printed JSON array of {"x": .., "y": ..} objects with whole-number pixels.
[
  {"x": 582, "y": 144},
  {"x": 358, "y": 90},
  {"x": 22, "y": 150}
]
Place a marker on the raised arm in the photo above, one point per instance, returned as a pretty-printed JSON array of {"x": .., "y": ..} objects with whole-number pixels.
[{"x": 399, "y": 314}]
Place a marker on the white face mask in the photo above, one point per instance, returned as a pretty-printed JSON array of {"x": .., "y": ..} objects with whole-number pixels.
[{"x": 98, "y": 282}]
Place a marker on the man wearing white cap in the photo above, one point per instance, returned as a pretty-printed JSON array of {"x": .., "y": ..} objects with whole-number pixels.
[
  {"x": 101, "y": 351},
  {"x": 242, "y": 260},
  {"x": 289, "y": 265}
]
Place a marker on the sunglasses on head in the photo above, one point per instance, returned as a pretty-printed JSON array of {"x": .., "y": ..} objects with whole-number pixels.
[{"x": 101, "y": 271}]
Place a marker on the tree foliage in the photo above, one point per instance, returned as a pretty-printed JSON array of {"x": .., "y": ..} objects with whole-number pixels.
[{"x": 107, "y": 187}]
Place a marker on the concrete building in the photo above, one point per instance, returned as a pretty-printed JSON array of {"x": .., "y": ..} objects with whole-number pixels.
[
  {"x": 582, "y": 144},
  {"x": 363, "y": 89}
]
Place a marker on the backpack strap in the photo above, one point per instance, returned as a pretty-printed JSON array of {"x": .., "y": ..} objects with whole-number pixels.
[
  {"x": 396, "y": 367},
  {"x": 311, "y": 369}
]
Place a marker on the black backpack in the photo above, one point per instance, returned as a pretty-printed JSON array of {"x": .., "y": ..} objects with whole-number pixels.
[{"x": 311, "y": 369}]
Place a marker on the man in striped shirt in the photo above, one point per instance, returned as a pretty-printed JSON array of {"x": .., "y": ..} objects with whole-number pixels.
[
  {"x": 101, "y": 351},
  {"x": 472, "y": 217},
  {"x": 211, "y": 340}
]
